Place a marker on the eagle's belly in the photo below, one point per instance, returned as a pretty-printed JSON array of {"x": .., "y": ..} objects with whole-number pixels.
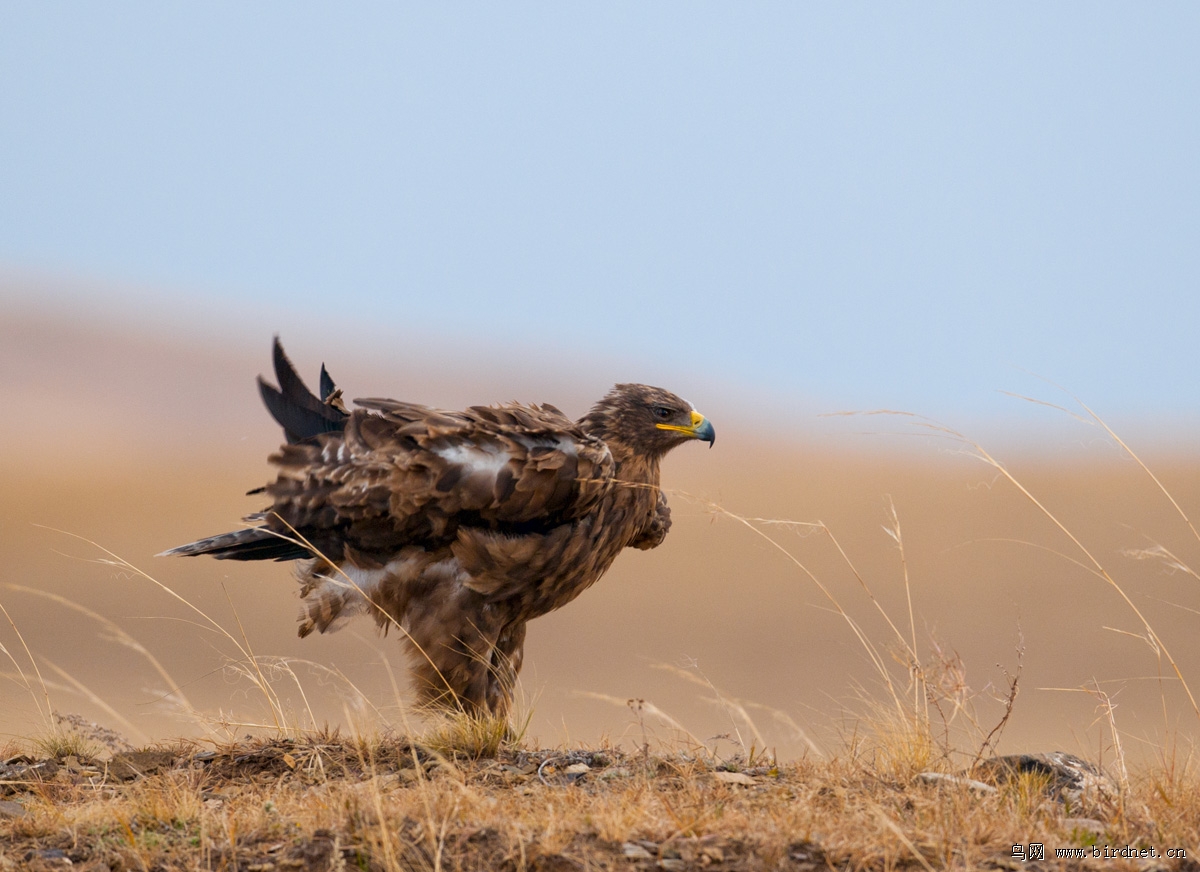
[
  {"x": 572, "y": 565},
  {"x": 523, "y": 576},
  {"x": 332, "y": 594},
  {"x": 536, "y": 573}
]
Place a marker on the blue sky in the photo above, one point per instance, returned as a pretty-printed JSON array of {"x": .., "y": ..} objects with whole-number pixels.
[{"x": 851, "y": 205}]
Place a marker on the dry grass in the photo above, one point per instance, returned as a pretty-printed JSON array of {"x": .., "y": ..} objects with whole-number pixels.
[{"x": 387, "y": 804}]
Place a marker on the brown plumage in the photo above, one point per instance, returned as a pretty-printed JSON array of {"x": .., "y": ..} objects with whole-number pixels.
[{"x": 457, "y": 527}]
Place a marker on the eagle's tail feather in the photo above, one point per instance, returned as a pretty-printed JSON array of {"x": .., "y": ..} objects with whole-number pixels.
[
  {"x": 294, "y": 406},
  {"x": 254, "y": 543}
]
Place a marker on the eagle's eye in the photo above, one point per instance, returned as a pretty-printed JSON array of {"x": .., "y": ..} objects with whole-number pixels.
[{"x": 662, "y": 413}]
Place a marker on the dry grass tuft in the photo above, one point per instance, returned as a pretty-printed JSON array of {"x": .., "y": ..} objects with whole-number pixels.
[{"x": 472, "y": 735}]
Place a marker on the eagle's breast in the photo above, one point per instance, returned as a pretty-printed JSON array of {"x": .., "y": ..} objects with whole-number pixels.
[{"x": 538, "y": 572}]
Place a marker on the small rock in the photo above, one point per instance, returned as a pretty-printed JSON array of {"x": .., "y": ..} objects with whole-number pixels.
[
  {"x": 807, "y": 857},
  {"x": 712, "y": 854},
  {"x": 562, "y": 768},
  {"x": 9, "y": 809},
  {"x": 734, "y": 778},
  {"x": 1070, "y": 779},
  {"x": 53, "y": 856},
  {"x": 1086, "y": 825},
  {"x": 634, "y": 851},
  {"x": 135, "y": 764},
  {"x": 517, "y": 774},
  {"x": 960, "y": 780}
]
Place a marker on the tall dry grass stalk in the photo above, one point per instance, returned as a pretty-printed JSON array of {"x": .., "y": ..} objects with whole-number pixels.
[
  {"x": 451, "y": 734},
  {"x": 1085, "y": 557},
  {"x": 927, "y": 710}
]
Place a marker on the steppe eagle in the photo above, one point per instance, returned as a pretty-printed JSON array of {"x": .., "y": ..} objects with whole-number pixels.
[{"x": 457, "y": 527}]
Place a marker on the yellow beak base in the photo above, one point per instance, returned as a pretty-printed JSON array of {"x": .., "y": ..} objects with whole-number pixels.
[{"x": 700, "y": 428}]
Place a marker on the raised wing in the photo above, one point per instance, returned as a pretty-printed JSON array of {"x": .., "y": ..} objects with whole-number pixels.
[{"x": 403, "y": 474}]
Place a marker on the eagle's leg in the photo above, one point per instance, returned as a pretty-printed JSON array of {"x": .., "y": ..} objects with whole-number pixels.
[
  {"x": 454, "y": 644},
  {"x": 454, "y": 675},
  {"x": 507, "y": 658}
]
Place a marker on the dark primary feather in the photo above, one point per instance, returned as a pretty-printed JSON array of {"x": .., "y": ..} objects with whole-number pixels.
[
  {"x": 327, "y": 385},
  {"x": 293, "y": 405}
]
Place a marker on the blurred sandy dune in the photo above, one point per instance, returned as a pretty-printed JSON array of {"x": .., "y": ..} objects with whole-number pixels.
[{"x": 140, "y": 443}]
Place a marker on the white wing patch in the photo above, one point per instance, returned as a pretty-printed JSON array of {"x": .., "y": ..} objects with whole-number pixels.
[
  {"x": 344, "y": 596},
  {"x": 349, "y": 590},
  {"x": 480, "y": 461},
  {"x": 446, "y": 570}
]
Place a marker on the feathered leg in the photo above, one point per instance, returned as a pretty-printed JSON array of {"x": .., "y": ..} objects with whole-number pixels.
[
  {"x": 454, "y": 641},
  {"x": 507, "y": 658}
]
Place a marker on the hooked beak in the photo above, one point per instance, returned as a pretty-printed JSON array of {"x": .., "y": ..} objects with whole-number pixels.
[{"x": 700, "y": 428}]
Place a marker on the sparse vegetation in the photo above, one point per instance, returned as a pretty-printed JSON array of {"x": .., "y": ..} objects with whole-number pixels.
[{"x": 330, "y": 802}]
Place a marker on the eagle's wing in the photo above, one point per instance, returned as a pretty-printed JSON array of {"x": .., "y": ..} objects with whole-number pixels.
[
  {"x": 293, "y": 405},
  {"x": 652, "y": 535},
  {"x": 401, "y": 474}
]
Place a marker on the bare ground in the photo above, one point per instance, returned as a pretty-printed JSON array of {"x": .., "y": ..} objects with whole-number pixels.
[{"x": 329, "y": 803}]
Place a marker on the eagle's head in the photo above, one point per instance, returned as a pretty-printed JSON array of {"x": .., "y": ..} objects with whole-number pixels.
[{"x": 648, "y": 420}]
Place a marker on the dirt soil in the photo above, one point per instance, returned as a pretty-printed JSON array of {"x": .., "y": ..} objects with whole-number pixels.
[{"x": 325, "y": 804}]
